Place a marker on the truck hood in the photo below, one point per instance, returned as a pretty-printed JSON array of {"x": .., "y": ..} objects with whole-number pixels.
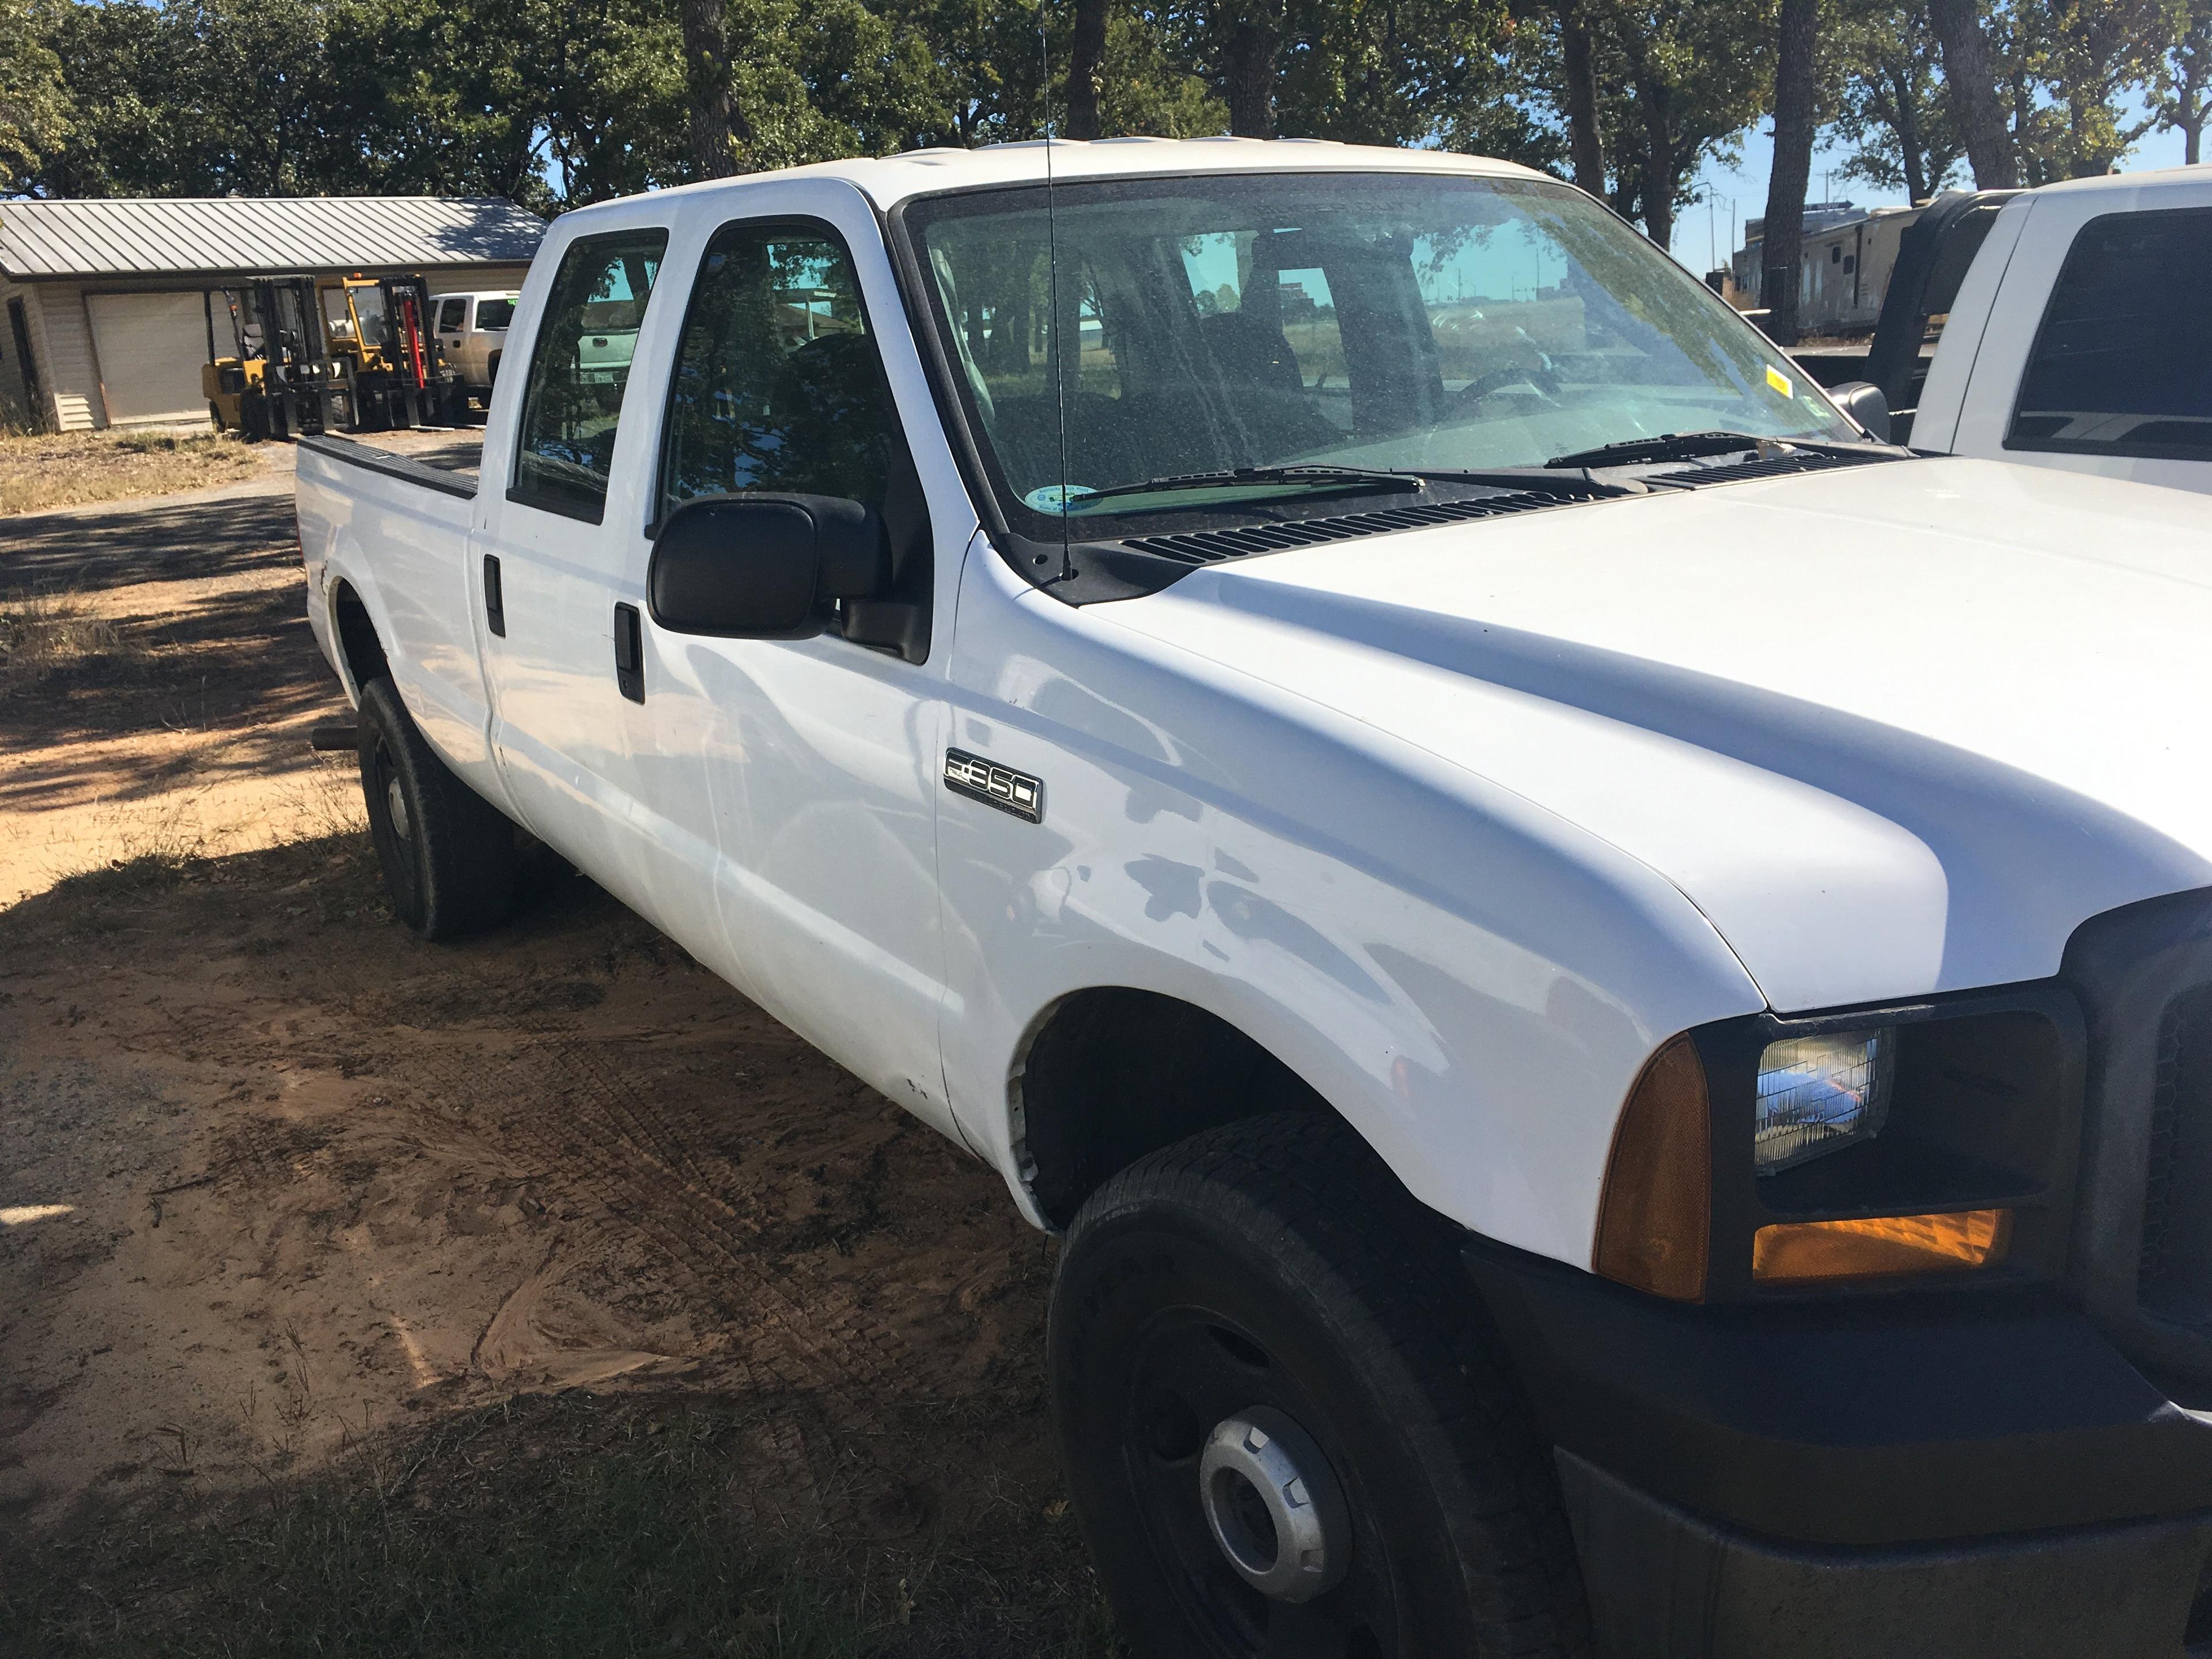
[{"x": 1894, "y": 729}]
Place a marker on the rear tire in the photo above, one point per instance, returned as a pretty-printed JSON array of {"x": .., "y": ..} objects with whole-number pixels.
[
  {"x": 1272, "y": 1270},
  {"x": 448, "y": 855}
]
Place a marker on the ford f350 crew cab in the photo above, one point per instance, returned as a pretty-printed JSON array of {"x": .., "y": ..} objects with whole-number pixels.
[{"x": 1609, "y": 982}]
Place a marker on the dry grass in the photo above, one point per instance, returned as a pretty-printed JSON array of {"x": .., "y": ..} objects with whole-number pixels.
[
  {"x": 48, "y": 633},
  {"x": 70, "y": 468},
  {"x": 547, "y": 1526}
]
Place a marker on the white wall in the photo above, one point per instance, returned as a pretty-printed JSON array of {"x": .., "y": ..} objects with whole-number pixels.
[{"x": 63, "y": 340}]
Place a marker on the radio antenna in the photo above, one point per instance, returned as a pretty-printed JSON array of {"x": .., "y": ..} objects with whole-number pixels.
[{"x": 1058, "y": 352}]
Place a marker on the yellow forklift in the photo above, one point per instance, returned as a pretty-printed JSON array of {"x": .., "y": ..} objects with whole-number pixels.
[
  {"x": 275, "y": 381},
  {"x": 380, "y": 328},
  {"x": 331, "y": 353}
]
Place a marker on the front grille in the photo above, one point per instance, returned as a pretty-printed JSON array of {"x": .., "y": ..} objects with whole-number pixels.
[
  {"x": 2173, "y": 1277},
  {"x": 2142, "y": 1257}
]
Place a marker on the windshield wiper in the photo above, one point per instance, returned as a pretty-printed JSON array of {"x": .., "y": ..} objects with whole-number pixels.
[
  {"x": 1689, "y": 445},
  {"x": 1360, "y": 478},
  {"x": 1574, "y": 482},
  {"x": 1323, "y": 477}
]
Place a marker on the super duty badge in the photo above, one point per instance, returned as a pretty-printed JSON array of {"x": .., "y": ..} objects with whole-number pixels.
[{"x": 995, "y": 786}]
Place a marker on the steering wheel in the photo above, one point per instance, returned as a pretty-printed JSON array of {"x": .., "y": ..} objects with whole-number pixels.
[{"x": 1540, "y": 375}]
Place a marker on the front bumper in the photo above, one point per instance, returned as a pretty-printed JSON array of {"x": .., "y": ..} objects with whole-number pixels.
[{"x": 1973, "y": 1475}]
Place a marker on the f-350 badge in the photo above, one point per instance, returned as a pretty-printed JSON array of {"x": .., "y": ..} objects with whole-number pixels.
[{"x": 995, "y": 786}]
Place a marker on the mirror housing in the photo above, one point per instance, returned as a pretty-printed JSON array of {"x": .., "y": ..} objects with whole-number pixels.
[
  {"x": 763, "y": 567},
  {"x": 1863, "y": 400}
]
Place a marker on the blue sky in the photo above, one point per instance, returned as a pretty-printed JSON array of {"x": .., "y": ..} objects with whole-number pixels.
[{"x": 1745, "y": 186}]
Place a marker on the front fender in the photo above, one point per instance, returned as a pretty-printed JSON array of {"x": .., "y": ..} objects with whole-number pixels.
[{"x": 1472, "y": 982}]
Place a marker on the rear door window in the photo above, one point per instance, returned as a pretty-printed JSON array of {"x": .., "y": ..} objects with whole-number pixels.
[
  {"x": 571, "y": 404},
  {"x": 2122, "y": 363},
  {"x": 493, "y": 314}
]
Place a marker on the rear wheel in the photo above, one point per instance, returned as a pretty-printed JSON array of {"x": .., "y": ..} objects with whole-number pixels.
[
  {"x": 448, "y": 856},
  {"x": 1288, "y": 1424}
]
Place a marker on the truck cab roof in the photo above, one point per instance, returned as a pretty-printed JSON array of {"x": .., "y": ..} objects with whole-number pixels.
[{"x": 887, "y": 180}]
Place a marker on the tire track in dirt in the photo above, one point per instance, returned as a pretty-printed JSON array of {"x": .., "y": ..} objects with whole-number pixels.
[{"x": 630, "y": 1158}]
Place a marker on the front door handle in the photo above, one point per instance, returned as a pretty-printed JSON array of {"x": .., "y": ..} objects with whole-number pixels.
[{"x": 629, "y": 653}]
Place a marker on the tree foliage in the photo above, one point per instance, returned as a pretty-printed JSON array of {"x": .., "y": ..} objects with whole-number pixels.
[{"x": 559, "y": 102}]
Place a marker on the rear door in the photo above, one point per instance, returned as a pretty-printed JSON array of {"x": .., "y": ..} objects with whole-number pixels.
[
  {"x": 453, "y": 328},
  {"x": 549, "y": 558}
]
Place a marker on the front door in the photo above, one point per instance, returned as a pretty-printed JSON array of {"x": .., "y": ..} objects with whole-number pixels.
[{"x": 802, "y": 775}]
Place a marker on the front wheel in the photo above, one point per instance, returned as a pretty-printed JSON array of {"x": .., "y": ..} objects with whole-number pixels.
[
  {"x": 1288, "y": 1424},
  {"x": 448, "y": 855}
]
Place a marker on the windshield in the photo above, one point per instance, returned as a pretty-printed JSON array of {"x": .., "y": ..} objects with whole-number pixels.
[{"x": 1391, "y": 321}]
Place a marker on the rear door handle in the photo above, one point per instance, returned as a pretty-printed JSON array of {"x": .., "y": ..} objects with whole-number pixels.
[
  {"x": 629, "y": 653},
  {"x": 495, "y": 598}
]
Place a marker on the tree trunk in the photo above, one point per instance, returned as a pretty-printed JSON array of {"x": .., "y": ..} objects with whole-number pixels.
[
  {"x": 1583, "y": 142},
  {"x": 1781, "y": 253},
  {"x": 2191, "y": 100},
  {"x": 1255, "y": 44},
  {"x": 1973, "y": 93},
  {"x": 1904, "y": 118},
  {"x": 709, "y": 144},
  {"x": 1654, "y": 100},
  {"x": 1085, "y": 62}
]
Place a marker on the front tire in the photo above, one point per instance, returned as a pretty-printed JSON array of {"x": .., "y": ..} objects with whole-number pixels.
[
  {"x": 448, "y": 855},
  {"x": 1272, "y": 1275}
]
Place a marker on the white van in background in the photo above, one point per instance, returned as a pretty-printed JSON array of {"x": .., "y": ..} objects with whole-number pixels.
[{"x": 472, "y": 333}]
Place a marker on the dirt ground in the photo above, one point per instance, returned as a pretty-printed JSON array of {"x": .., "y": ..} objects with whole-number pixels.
[{"x": 277, "y": 1179}]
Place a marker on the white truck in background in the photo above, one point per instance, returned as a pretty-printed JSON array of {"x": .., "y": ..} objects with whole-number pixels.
[
  {"x": 471, "y": 330},
  {"x": 1609, "y": 980},
  {"x": 2073, "y": 327}
]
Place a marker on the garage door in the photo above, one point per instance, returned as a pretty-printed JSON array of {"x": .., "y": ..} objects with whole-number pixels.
[{"x": 151, "y": 347}]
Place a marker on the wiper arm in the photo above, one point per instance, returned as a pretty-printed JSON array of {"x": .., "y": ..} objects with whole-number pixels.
[
  {"x": 1544, "y": 478},
  {"x": 1322, "y": 478},
  {"x": 1688, "y": 446},
  {"x": 1551, "y": 483}
]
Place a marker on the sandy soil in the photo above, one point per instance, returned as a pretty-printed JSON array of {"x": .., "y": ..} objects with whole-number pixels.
[
  {"x": 190, "y": 739},
  {"x": 275, "y": 1174}
]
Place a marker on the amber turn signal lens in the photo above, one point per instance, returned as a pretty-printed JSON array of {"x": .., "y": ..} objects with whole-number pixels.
[
  {"x": 1807, "y": 1252},
  {"x": 1655, "y": 1217}
]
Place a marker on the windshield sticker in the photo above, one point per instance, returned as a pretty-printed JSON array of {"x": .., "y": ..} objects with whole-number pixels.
[
  {"x": 1779, "y": 381},
  {"x": 1054, "y": 498}
]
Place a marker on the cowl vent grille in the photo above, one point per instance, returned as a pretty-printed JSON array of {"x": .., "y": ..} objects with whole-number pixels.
[
  {"x": 1779, "y": 466},
  {"x": 1198, "y": 547}
]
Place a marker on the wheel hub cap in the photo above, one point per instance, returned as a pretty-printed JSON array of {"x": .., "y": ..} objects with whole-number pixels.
[
  {"x": 1274, "y": 1506},
  {"x": 395, "y": 803}
]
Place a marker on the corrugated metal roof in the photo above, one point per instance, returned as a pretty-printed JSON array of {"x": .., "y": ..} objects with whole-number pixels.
[{"x": 159, "y": 236}]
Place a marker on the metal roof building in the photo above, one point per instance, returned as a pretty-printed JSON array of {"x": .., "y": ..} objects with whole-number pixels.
[{"x": 109, "y": 303}]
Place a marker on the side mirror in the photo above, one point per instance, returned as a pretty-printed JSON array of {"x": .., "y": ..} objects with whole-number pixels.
[
  {"x": 763, "y": 567},
  {"x": 1864, "y": 402}
]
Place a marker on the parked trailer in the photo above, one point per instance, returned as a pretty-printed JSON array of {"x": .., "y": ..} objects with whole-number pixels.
[{"x": 1844, "y": 271}]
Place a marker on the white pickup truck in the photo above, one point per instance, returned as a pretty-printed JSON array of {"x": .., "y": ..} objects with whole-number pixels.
[
  {"x": 473, "y": 335},
  {"x": 1608, "y": 982},
  {"x": 2075, "y": 328}
]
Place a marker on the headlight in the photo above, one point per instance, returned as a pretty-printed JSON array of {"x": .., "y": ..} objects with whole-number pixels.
[{"x": 1820, "y": 1094}]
